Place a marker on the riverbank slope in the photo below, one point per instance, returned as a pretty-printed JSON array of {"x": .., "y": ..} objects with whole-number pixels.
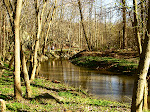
[{"x": 116, "y": 62}]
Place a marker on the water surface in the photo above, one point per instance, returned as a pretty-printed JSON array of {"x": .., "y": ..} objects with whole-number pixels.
[{"x": 110, "y": 87}]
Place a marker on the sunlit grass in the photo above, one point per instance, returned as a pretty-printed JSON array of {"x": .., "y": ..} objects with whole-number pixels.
[
  {"x": 107, "y": 63},
  {"x": 70, "y": 97},
  {"x": 16, "y": 106}
]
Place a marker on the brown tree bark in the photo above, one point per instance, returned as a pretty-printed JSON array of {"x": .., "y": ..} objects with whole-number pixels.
[
  {"x": 10, "y": 11},
  {"x": 143, "y": 21},
  {"x": 140, "y": 81},
  {"x": 84, "y": 32},
  {"x": 37, "y": 39},
  {"x": 1, "y": 39},
  {"x": 17, "y": 81},
  {"x": 124, "y": 46},
  {"x": 38, "y": 32},
  {"x": 136, "y": 29},
  {"x": 145, "y": 104},
  {"x": 139, "y": 45},
  {"x": 11, "y": 62},
  {"x": 25, "y": 73},
  {"x": 4, "y": 38},
  {"x": 49, "y": 26}
]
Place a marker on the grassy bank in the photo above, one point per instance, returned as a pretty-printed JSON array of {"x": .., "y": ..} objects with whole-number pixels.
[
  {"x": 57, "y": 97},
  {"x": 111, "y": 64}
]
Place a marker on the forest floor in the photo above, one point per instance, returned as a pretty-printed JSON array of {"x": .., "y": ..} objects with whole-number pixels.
[
  {"x": 114, "y": 62},
  {"x": 53, "y": 96}
]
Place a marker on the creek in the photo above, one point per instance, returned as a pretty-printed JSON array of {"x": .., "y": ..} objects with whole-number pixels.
[{"x": 109, "y": 87}]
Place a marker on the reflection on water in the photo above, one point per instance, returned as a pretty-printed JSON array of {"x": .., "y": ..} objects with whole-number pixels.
[{"x": 110, "y": 87}]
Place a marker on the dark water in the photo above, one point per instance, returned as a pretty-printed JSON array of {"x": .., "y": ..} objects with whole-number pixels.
[{"x": 110, "y": 87}]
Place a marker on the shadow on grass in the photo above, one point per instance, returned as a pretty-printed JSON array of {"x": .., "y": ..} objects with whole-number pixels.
[
  {"x": 4, "y": 81},
  {"x": 6, "y": 97},
  {"x": 53, "y": 89},
  {"x": 44, "y": 98},
  {"x": 60, "y": 89}
]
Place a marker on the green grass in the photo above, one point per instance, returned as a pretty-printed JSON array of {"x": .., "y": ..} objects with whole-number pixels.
[
  {"x": 106, "y": 63},
  {"x": 7, "y": 65},
  {"x": 78, "y": 98},
  {"x": 16, "y": 106}
]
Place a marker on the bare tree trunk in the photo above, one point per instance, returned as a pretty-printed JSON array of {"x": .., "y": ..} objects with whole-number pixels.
[
  {"x": 90, "y": 24},
  {"x": 95, "y": 37},
  {"x": 120, "y": 41},
  {"x": 11, "y": 61},
  {"x": 30, "y": 66},
  {"x": 138, "y": 39},
  {"x": 145, "y": 104},
  {"x": 25, "y": 72},
  {"x": 79, "y": 36},
  {"x": 84, "y": 32},
  {"x": 14, "y": 21},
  {"x": 17, "y": 81},
  {"x": 140, "y": 81},
  {"x": 49, "y": 26},
  {"x": 1, "y": 40},
  {"x": 38, "y": 32},
  {"x": 143, "y": 21},
  {"x": 136, "y": 30},
  {"x": 124, "y": 46},
  {"x": 4, "y": 38},
  {"x": 38, "y": 25},
  {"x": 38, "y": 68},
  {"x": 100, "y": 40}
]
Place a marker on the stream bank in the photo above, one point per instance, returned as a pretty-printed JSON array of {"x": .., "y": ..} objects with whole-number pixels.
[{"x": 124, "y": 63}]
